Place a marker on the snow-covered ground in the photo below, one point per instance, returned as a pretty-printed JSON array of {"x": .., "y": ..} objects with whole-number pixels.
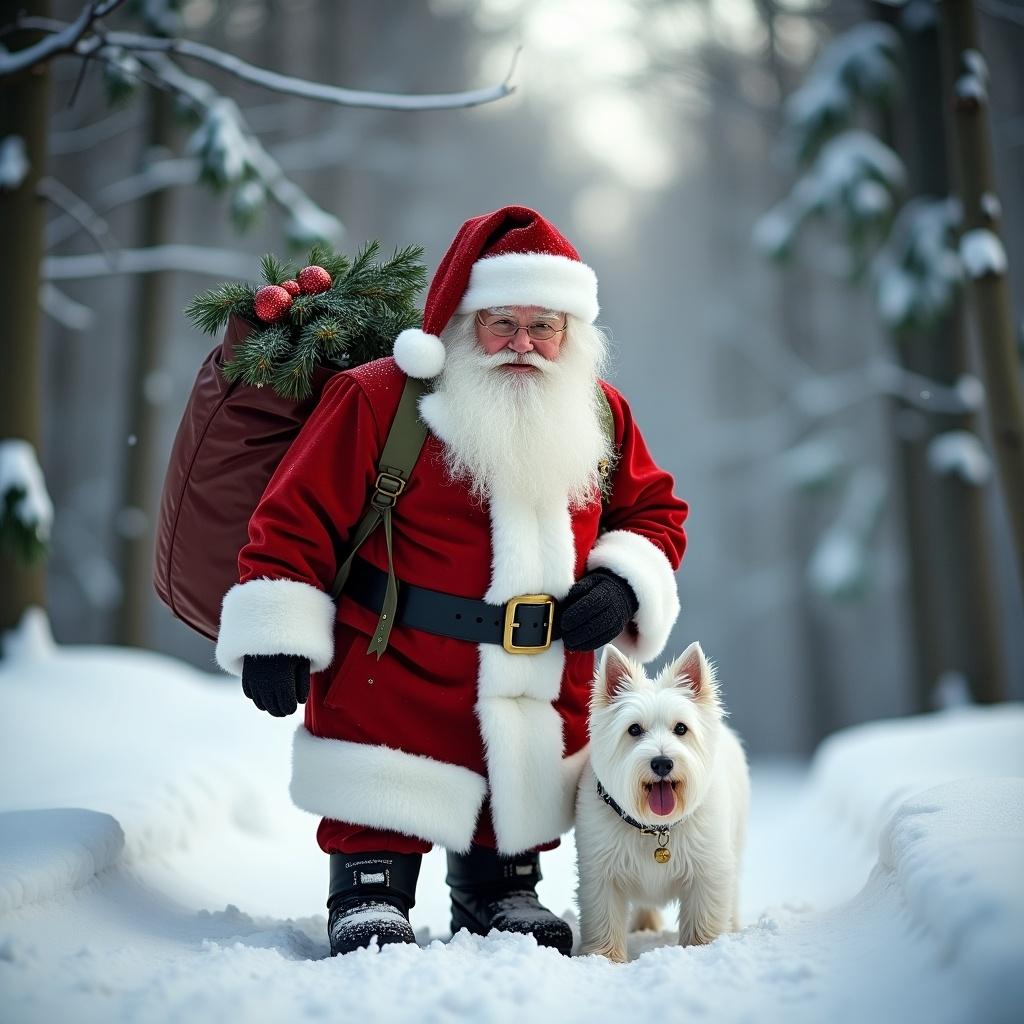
[{"x": 152, "y": 868}]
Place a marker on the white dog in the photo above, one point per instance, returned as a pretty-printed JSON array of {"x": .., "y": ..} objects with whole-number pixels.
[{"x": 662, "y": 805}]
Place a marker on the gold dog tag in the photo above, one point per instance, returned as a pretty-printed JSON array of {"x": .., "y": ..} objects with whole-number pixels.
[{"x": 662, "y": 854}]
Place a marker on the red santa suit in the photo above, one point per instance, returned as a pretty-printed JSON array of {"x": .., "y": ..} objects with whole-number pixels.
[{"x": 416, "y": 742}]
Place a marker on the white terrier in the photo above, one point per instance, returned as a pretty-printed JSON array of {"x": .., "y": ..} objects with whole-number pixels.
[{"x": 662, "y": 805}]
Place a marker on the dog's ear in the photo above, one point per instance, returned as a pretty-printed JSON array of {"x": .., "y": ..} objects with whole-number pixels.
[
  {"x": 614, "y": 675},
  {"x": 693, "y": 671}
]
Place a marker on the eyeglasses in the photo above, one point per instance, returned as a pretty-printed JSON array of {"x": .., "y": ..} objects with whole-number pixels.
[{"x": 505, "y": 327}]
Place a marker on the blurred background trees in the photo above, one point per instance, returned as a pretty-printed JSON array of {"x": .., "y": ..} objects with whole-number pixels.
[{"x": 850, "y": 553}]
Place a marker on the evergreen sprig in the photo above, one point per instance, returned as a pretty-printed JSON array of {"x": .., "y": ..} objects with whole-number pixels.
[
  {"x": 211, "y": 310},
  {"x": 356, "y": 320},
  {"x": 19, "y": 539}
]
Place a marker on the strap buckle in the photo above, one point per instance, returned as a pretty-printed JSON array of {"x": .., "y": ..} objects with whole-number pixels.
[
  {"x": 511, "y": 607},
  {"x": 387, "y": 488}
]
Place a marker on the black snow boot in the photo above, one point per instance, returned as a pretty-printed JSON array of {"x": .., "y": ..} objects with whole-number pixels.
[
  {"x": 493, "y": 891},
  {"x": 371, "y": 895}
]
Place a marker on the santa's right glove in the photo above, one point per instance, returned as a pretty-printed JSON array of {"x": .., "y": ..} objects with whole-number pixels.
[{"x": 277, "y": 683}]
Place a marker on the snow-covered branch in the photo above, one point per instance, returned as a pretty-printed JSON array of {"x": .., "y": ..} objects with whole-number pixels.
[
  {"x": 189, "y": 258},
  {"x": 72, "y": 315},
  {"x": 26, "y": 511},
  {"x": 230, "y": 154},
  {"x": 66, "y": 39},
  {"x": 77, "y": 209},
  {"x": 861, "y": 65},
  {"x": 839, "y": 566},
  {"x": 116, "y": 43}
]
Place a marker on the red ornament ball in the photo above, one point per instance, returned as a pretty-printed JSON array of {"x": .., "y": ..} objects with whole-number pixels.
[
  {"x": 292, "y": 288},
  {"x": 272, "y": 302},
  {"x": 314, "y": 280}
]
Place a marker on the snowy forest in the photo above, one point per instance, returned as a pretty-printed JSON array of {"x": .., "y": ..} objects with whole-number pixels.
[{"x": 807, "y": 221}]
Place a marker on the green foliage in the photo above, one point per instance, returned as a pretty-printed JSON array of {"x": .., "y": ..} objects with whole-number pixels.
[
  {"x": 356, "y": 320},
  {"x": 859, "y": 69},
  {"x": 210, "y": 310},
  {"x": 121, "y": 77},
  {"x": 248, "y": 201},
  {"x": 19, "y": 539}
]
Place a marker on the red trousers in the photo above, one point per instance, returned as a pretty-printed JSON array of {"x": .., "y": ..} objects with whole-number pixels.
[{"x": 343, "y": 837}]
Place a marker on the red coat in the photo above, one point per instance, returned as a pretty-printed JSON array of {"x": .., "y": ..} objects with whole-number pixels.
[{"x": 414, "y": 741}]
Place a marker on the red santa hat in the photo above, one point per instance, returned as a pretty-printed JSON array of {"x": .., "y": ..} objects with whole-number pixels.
[{"x": 511, "y": 257}]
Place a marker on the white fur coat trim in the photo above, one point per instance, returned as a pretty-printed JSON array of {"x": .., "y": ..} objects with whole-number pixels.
[
  {"x": 532, "y": 279},
  {"x": 532, "y": 786},
  {"x": 382, "y": 787},
  {"x": 645, "y": 567},
  {"x": 275, "y": 617}
]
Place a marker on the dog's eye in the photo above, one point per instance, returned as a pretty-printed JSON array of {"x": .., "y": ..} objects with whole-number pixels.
[
  {"x": 680, "y": 729},
  {"x": 635, "y": 730}
]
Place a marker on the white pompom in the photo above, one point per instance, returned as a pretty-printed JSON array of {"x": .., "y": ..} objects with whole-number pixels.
[{"x": 419, "y": 354}]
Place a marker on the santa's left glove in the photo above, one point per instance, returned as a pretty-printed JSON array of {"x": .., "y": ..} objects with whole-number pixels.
[
  {"x": 277, "y": 683},
  {"x": 596, "y": 610}
]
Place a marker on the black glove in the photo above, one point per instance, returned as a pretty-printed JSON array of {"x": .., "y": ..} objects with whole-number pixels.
[
  {"x": 277, "y": 683},
  {"x": 596, "y": 610}
]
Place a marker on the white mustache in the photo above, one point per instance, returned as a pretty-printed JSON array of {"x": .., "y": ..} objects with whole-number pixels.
[{"x": 516, "y": 359}]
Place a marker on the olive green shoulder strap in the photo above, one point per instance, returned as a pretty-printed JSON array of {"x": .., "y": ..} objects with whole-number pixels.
[
  {"x": 401, "y": 450},
  {"x": 607, "y": 466}
]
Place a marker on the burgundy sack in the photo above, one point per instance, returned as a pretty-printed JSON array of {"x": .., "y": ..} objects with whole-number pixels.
[{"x": 229, "y": 442}]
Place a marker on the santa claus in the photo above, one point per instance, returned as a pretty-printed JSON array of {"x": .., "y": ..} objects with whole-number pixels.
[{"x": 535, "y": 527}]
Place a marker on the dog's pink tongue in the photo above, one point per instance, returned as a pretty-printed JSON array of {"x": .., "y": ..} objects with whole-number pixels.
[{"x": 661, "y": 799}]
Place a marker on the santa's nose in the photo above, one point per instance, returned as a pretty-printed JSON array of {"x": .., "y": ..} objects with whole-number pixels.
[
  {"x": 661, "y": 766},
  {"x": 520, "y": 342}
]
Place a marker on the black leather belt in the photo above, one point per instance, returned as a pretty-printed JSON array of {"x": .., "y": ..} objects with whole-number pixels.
[{"x": 523, "y": 625}]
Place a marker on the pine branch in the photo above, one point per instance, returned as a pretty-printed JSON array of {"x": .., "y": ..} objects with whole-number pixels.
[
  {"x": 356, "y": 320},
  {"x": 210, "y": 310},
  {"x": 274, "y": 270}
]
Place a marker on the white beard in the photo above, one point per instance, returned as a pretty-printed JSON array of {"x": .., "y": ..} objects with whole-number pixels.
[{"x": 536, "y": 435}]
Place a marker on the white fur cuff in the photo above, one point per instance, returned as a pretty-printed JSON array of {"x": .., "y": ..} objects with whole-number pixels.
[
  {"x": 419, "y": 354},
  {"x": 382, "y": 787},
  {"x": 644, "y": 566},
  {"x": 275, "y": 617}
]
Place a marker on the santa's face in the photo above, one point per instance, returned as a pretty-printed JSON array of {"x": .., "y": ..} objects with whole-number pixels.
[
  {"x": 517, "y": 419},
  {"x": 492, "y": 334}
]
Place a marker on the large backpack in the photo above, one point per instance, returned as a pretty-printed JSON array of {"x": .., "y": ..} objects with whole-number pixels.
[{"x": 229, "y": 442}]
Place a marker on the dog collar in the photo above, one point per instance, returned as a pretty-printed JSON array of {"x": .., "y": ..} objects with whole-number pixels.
[{"x": 662, "y": 853}]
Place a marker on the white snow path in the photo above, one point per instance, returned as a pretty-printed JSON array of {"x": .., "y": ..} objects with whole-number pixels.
[{"x": 152, "y": 868}]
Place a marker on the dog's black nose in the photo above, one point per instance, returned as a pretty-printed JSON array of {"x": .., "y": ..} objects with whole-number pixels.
[{"x": 661, "y": 766}]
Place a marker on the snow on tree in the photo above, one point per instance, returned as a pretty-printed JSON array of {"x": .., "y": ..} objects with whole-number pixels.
[
  {"x": 918, "y": 272},
  {"x": 840, "y": 565},
  {"x": 860, "y": 65},
  {"x": 960, "y": 452},
  {"x": 854, "y": 181},
  {"x": 26, "y": 512},
  {"x": 982, "y": 253},
  {"x": 14, "y": 163}
]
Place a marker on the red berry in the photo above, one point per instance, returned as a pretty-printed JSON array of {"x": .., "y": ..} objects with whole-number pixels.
[
  {"x": 313, "y": 280},
  {"x": 272, "y": 302},
  {"x": 292, "y": 288}
]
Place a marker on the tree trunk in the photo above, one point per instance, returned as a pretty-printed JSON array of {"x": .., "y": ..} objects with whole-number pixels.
[
  {"x": 962, "y": 629},
  {"x": 135, "y": 513},
  {"x": 989, "y": 290},
  {"x": 24, "y": 111}
]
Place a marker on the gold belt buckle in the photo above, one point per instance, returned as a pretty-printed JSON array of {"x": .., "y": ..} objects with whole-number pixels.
[{"x": 511, "y": 607}]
